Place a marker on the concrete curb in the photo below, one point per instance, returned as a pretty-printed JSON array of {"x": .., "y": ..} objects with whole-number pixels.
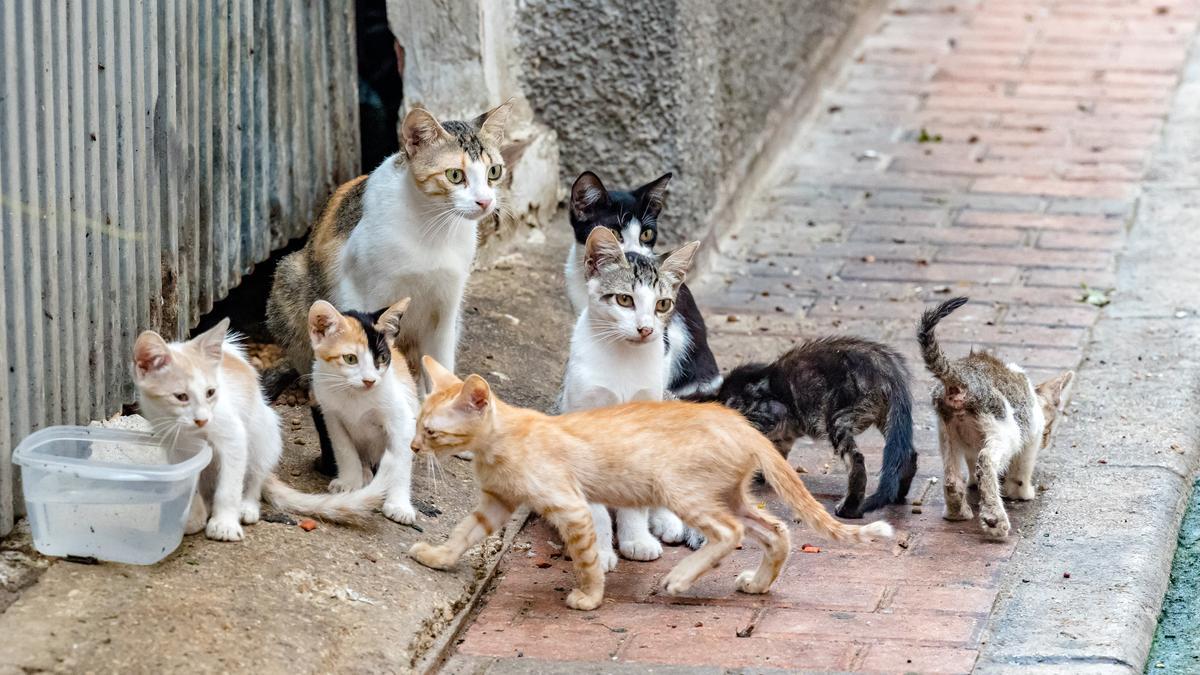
[{"x": 1121, "y": 468}]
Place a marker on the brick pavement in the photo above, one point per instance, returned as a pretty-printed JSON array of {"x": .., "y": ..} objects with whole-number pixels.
[{"x": 989, "y": 148}]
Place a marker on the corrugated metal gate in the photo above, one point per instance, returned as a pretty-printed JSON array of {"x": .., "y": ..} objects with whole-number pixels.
[{"x": 151, "y": 152}]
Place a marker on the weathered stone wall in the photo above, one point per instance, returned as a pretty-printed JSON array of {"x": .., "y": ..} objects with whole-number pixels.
[{"x": 637, "y": 88}]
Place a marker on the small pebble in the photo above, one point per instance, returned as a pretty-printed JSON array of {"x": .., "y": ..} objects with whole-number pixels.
[
  {"x": 308, "y": 524},
  {"x": 1066, "y": 575},
  {"x": 916, "y": 509}
]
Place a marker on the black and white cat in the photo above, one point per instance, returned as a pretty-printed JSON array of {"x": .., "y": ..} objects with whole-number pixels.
[{"x": 633, "y": 217}]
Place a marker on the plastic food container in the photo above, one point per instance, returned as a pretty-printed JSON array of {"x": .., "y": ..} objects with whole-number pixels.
[{"x": 109, "y": 494}]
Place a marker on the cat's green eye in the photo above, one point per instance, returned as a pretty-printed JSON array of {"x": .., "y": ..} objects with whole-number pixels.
[
  {"x": 495, "y": 171},
  {"x": 350, "y": 359},
  {"x": 625, "y": 300},
  {"x": 663, "y": 306},
  {"x": 454, "y": 176},
  {"x": 647, "y": 235},
  {"x": 181, "y": 397}
]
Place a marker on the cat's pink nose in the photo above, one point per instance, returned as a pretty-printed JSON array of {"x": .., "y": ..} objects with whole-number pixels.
[
  {"x": 368, "y": 383},
  {"x": 645, "y": 331},
  {"x": 483, "y": 204},
  {"x": 415, "y": 447},
  {"x": 200, "y": 423}
]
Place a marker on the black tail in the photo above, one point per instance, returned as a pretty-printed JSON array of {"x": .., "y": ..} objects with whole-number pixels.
[
  {"x": 935, "y": 358},
  {"x": 899, "y": 457},
  {"x": 278, "y": 378}
]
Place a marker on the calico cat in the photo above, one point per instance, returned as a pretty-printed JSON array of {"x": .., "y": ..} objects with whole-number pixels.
[
  {"x": 205, "y": 388},
  {"x": 615, "y": 455},
  {"x": 408, "y": 228},
  {"x": 633, "y": 217},
  {"x": 617, "y": 357},
  {"x": 835, "y": 388},
  {"x": 369, "y": 400},
  {"x": 991, "y": 416}
]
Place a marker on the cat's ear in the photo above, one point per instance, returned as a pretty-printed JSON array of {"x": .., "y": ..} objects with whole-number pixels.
[
  {"x": 389, "y": 321},
  {"x": 323, "y": 320},
  {"x": 1052, "y": 390},
  {"x": 475, "y": 395},
  {"x": 150, "y": 353},
  {"x": 652, "y": 196},
  {"x": 420, "y": 128},
  {"x": 211, "y": 341},
  {"x": 438, "y": 375},
  {"x": 602, "y": 249},
  {"x": 676, "y": 264},
  {"x": 491, "y": 124},
  {"x": 587, "y": 193}
]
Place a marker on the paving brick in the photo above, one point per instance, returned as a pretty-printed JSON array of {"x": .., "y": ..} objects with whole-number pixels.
[
  {"x": 961, "y": 599},
  {"x": 895, "y": 657},
  {"x": 928, "y": 627},
  {"x": 1079, "y": 315},
  {"x": 1075, "y": 278},
  {"x": 1038, "y": 221},
  {"x": 1055, "y": 187},
  {"x": 943, "y": 272},
  {"x": 784, "y": 653},
  {"x": 1024, "y": 256},
  {"x": 990, "y": 236}
]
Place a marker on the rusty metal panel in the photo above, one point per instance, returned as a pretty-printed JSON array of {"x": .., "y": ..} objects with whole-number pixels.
[{"x": 151, "y": 153}]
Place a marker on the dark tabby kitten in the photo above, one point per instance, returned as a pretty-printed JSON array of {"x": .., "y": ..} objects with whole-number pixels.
[
  {"x": 835, "y": 388},
  {"x": 633, "y": 216}
]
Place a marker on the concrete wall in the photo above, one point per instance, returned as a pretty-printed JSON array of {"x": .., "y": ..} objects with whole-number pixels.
[{"x": 637, "y": 88}]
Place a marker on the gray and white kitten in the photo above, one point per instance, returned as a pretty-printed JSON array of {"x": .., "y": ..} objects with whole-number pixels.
[
  {"x": 616, "y": 357},
  {"x": 992, "y": 416}
]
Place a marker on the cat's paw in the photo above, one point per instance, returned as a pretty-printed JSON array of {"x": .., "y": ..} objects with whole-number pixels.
[
  {"x": 667, "y": 526},
  {"x": 347, "y": 484},
  {"x": 844, "y": 510},
  {"x": 607, "y": 559},
  {"x": 250, "y": 512},
  {"x": 641, "y": 548},
  {"x": 400, "y": 512},
  {"x": 223, "y": 530},
  {"x": 994, "y": 524},
  {"x": 577, "y": 599},
  {"x": 1019, "y": 490},
  {"x": 675, "y": 582},
  {"x": 434, "y": 557},
  {"x": 962, "y": 512},
  {"x": 746, "y": 584},
  {"x": 694, "y": 539}
]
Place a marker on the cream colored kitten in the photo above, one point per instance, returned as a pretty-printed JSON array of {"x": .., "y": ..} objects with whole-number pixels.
[{"x": 558, "y": 464}]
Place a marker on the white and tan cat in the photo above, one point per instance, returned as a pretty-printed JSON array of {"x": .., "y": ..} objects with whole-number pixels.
[
  {"x": 558, "y": 464},
  {"x": 992, "y": 417}
]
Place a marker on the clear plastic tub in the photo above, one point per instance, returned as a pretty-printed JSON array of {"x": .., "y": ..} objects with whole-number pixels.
[{"x": 110, "y": 494}]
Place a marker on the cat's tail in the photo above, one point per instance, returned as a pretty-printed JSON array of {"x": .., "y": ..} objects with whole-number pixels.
[
  {"x": 899, "y": 457},
  {"x": 931, "y": 351},
  {"x": 782, "y": 477},
  {"x": 348, "y": 508},
  {"x": 277, "y": 378}
]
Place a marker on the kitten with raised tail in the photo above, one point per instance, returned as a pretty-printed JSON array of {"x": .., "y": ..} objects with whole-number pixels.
[
  {"x": 617, "y": 356},
  {"x": 992, "y": 417},
  {"x": 696, "y": 459},
  {"x": 406, "y": 229},
  {"x": 834, "y": 388},
  {"x": 633, "y": 217},
  {"x": 369, "y": 400},
  {"x": 205, "y": 388}
]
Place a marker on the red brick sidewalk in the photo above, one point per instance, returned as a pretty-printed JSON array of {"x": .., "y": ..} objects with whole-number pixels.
[{"x": 992, "y": 149}]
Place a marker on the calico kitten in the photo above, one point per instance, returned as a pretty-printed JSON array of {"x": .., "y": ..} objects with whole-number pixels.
[
  {"x": 408, "y": 228},
  {"x": 633, "y": 217},
  {"x": 205, "y": 388},
  {"x": 617, "y": 357},
  {"x": 835, "y": 388},
  {"x": 557, "y": 464},
  {"x": 991, "y": 416},
  {"x": 368, "y": 398}
]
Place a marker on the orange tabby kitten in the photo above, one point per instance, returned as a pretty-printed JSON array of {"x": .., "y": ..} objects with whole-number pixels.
[{"x": 557, "y": 465}]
